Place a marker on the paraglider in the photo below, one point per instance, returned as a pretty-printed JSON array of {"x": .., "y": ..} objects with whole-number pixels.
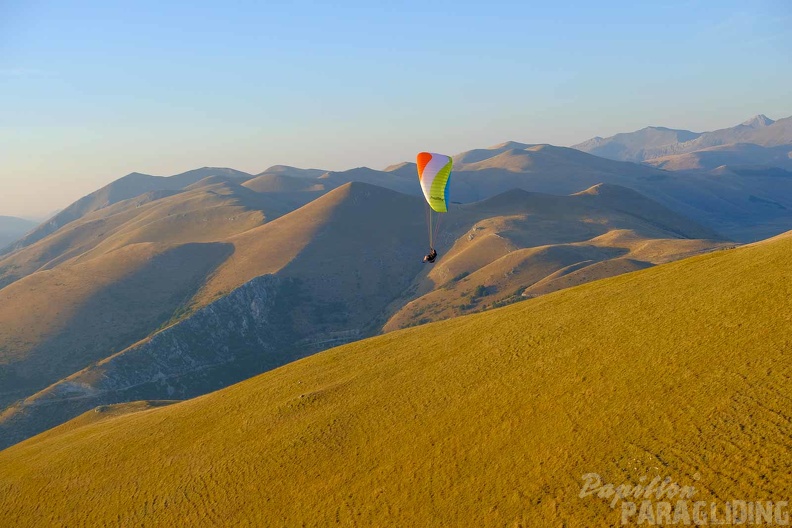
[{"x": 434, "y": 173}]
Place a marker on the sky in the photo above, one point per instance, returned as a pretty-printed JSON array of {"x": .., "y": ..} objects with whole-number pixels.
[{"x": 93, "y": 90}]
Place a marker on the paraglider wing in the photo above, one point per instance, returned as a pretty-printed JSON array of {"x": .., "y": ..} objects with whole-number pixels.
[{"x": 434, "y": 172}]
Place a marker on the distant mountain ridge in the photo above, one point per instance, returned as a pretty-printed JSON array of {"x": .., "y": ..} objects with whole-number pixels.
[
  {"x": 129, "y": 186},
  {"x": 723, "y": 205},
  {"x": 731, "y": 155},
  {"x": 634, "y": 146},
  {"x": 12, "y": 228},
  {"x": 655, "y": 142}
]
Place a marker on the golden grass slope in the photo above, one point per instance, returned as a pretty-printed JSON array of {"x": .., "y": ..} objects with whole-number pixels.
[
  {"x": 488, "y": 420},
  {"x": 104, "y": 412}
]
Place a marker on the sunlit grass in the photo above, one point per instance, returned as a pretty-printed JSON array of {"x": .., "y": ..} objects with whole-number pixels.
[{"x": 487, "y": 420}]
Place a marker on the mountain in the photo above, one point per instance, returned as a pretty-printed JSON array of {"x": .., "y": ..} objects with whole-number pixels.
[
  {"x": 759, "y": 131},
  {"x": 677, "y": 371},
  {"x": 128, "y": 187},
  {"x": 202, "y": 211},
  {"x": 538, "y": 168},
  {"x": 12, "y": 228},
  {"x": 274, "y": 182},
  {"x": 477, "y": 155},
  {"x": 636, "y": 146},
  {"x": 736, "y": 154},
  {"x": 657, "y": 142},
  {"x": 479, "y": 174},
  {"x": 294, "y": 172},
  {"x": 758, "y": 121},
  {"x": 109, "y": 279},
  {"x": 518, "y": 245},
  {"x": 334, "y": 265},
  {"x": 739, "y": 207}
]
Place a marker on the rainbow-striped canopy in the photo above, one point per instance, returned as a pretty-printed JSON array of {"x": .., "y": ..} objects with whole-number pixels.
[{"x": 434, "y": 173}]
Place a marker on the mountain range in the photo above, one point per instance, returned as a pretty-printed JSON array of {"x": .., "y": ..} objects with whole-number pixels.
[
  {"x": 162, "y": 288},
  {"x": 757, "y": 141},
  {"x": 147, "y": 307}
]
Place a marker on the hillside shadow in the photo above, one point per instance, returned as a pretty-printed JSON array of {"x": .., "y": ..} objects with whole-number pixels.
[{"x": 117, "y": 316}]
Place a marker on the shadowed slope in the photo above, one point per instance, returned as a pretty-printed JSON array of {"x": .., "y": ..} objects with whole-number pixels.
[
  {"x": 316, "y": 277},
  {"x": 114, "y": 276},
  {"x": 357, "y": 225},
  {"x": 488, "y": 420},
  {"x": 56, "y": 322}
]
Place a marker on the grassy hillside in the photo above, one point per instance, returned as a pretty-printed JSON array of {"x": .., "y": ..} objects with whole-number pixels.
[
  {"x": 128, "y": 187},
  {"x": 336, "y": 264},
  {"x": 206, "y": 213},
  {"x": 341, "y": 266},
  {"x": 342, "y": 246},
  {"x": 58, "y": 321},
  {"x": 488, "y": 420},
  {"x": 519, "y": 244},
  {"x": 114, "y": 276}
]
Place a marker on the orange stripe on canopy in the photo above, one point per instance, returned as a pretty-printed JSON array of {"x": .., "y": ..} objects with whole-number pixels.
[{"x": 422, "y": 160}]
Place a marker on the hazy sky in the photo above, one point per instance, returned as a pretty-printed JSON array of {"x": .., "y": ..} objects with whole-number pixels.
[{"x": 93, "y": 90}]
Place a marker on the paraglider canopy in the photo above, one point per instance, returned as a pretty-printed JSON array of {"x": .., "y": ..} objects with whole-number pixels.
[{"x": 434, "y": 172}]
